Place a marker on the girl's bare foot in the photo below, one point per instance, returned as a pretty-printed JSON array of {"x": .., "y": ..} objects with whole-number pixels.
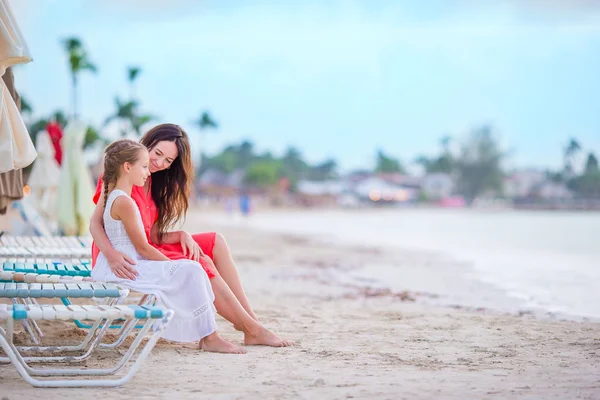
[
  {"x": 214, "y": 343},
  {"x": 264, "y": 337}
]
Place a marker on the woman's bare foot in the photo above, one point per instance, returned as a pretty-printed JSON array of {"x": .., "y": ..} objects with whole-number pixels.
[
  {"x": 214, "y": 343},
  {"x": 264, "y": 337}
]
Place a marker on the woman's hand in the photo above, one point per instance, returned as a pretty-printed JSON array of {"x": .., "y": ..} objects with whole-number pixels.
[
  {"x": 121, "y": 266},
  {"x": 190, "y": 247}
]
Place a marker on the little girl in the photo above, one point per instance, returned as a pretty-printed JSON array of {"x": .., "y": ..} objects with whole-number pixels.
[{"x": 181, "y": 285}]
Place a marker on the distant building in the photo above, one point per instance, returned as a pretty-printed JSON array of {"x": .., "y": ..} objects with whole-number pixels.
[
  {"x": 319, "y": 193},
  {"x": 521, "y": 183},
  {"x": 437, "y": 186},
  {"x": 377, "y": 189},
  {"x": 402, "y": 180},
  {"x": 216, "y": 183},
  {"x": 319, "y": 188},
  {"x": 549, "y": 190}
]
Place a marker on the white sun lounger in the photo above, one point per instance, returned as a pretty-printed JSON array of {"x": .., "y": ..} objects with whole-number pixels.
[
  {"x": 66, "y": 288},
  {"x": 45, "y": 246},
  {"x": 155, "y": 317}
]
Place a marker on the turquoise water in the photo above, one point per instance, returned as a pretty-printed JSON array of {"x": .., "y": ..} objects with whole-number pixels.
[{"x": 539, "y": 260}]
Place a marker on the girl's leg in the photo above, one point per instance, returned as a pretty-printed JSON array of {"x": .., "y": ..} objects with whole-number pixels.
[
  {"x": 229, "y": 307},
  {"x": 226, "y": 266},
  {"x": 214, "y": 343}
]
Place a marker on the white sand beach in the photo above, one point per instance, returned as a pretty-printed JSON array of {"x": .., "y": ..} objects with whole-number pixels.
[{"x": 354, "y": 341}]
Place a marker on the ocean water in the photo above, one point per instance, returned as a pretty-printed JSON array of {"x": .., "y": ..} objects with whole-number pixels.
[{"x": 536, "y": 260}]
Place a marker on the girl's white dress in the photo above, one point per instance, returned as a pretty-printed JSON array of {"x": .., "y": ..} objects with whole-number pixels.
[{"x": 181, "y": 285}]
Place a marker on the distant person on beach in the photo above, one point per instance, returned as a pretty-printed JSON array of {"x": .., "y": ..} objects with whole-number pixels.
[
  {"x": 162, "y": 201},
  {"x": 181, "y": 285},
  {"x": 245, "y": 204}
]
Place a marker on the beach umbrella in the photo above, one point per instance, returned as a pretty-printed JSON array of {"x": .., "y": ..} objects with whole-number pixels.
[
  {"x": 75, "y": 191},
  {"x": 16, "y": 148},
  {"x": 13, "y": 48},
  {"x": 44, "y": 176},
  {"x": 11, "y": 182}
]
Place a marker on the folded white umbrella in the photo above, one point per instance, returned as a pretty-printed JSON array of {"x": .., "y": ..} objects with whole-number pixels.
[
  {"x": 16, "y": 148},
  {"x": 44, "y": 176},
  {"x": 75, "y": 191}
]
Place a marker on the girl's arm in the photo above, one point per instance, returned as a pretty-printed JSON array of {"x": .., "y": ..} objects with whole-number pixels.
[
  {"x": 125, "y": 210},
  {"x": 119, "y": 263}
]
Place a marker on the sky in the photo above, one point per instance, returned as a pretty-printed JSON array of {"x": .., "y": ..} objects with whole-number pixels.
[{"x": 335, "y": 79}]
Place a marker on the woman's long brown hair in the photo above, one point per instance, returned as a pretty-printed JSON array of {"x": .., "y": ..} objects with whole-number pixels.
[{"x": 171, "y": 187}]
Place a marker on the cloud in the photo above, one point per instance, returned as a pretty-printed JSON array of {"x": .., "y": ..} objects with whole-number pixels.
[{"x": 296, "y": 72}]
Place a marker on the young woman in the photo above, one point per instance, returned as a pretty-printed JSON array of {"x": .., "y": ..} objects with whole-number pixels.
[{"x": 162, "y": 201}]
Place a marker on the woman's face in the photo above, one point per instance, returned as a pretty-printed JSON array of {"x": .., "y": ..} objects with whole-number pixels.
[{"x": 162, "y": 155}]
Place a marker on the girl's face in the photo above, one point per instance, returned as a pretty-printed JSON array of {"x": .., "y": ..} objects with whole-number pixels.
[
  {"x": 162, "y": 155},
  {"x": 139, "y": 171}
]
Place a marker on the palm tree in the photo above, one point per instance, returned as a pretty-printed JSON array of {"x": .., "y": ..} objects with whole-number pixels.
[
  {"x": 127, "y": 114},
  {"x": 140, "y": 120},
  {"x": 204, "y": 123},
  {"x": 132, "y": 74},
  {"x": 445, "y": 142},
  {"x": 91, "y": 136},
  {"x": 26, "y": 106},
  {"x": 124, "y": 114},
  {"x": 424, "y": 162},
  {"x": 591, "y": 165},
  {"x": 78, "y": 62},
  {"x": 573, "y": 147}
]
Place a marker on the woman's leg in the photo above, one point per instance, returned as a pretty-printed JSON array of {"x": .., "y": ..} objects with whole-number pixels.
[
  {"x": 225, "y": 265},
  {"x": 192, "y": 277},
  {"x": 229, "y": 307}
]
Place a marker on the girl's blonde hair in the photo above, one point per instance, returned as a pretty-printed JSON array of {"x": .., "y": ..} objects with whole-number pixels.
[{"x": 116, "y": 154}]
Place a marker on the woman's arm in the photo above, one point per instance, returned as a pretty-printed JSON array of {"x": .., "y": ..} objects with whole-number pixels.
[
  {"x": 125, "y": 210},
  {"x": 168, "y": 238},
  {"x": 188, "y": 244},
  {"x": 119, "y": 263}
]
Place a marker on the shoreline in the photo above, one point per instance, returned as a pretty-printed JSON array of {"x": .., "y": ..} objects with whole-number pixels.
[
  {"x": 360, "y": 345},
  {"x": 434, "y": 277}
]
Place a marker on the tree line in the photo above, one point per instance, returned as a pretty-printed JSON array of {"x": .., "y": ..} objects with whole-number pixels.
[{"x": 476, "y": 165}]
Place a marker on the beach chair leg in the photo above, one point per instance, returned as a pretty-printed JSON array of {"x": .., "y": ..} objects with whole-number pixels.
[
  {"x": 92, "y": 346},
  {"x": 27, "y": 326},
  {"x": 97, "y": 372},
  {"x": 36, "y": 327},
  {"x": 79, "y": 347},
  {"x": 128, "y": 326},
  {"x": 13, "y": 355},
  {"x": 30, "y": 326},
  {"x": 25, "y": 360},
  {"x": 30, "y": 332},
  {"x": 84, "y": 344}
]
